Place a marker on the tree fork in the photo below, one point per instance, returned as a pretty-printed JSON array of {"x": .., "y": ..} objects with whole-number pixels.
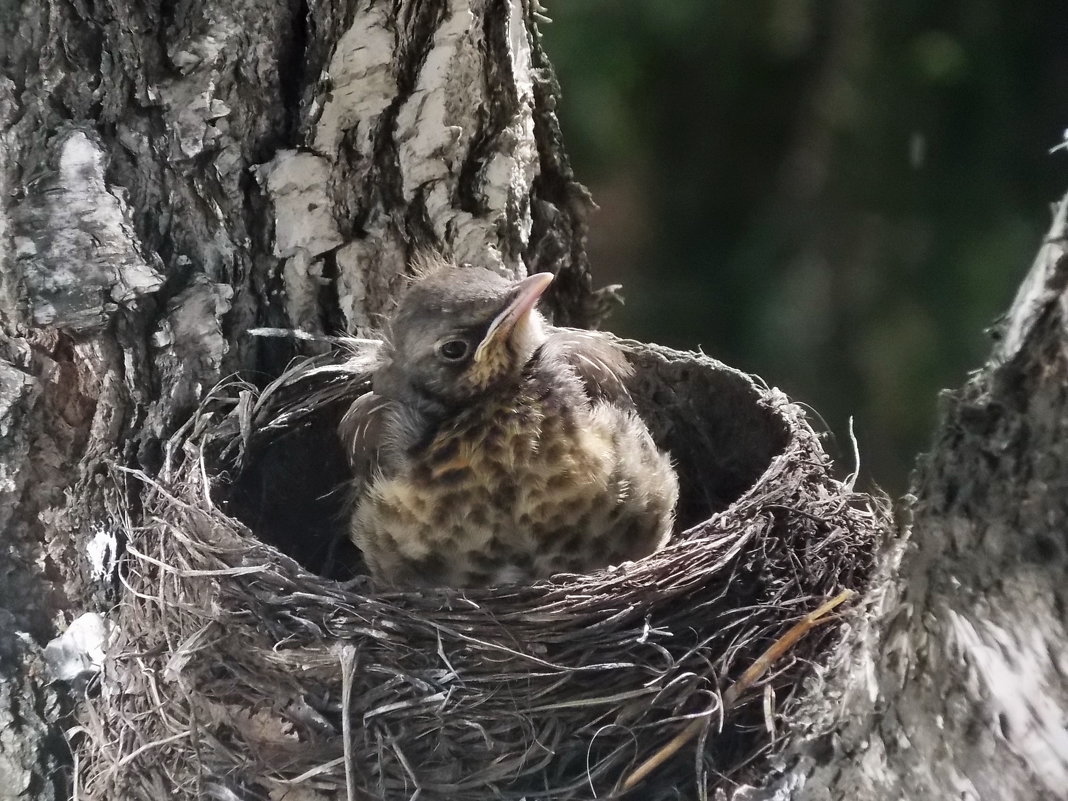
[
  {"x": 175, "y": 174},
  {"x": 954, "y": 683}
]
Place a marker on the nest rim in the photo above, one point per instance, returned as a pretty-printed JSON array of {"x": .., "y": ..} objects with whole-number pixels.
[{"x": 530, "y": 618}]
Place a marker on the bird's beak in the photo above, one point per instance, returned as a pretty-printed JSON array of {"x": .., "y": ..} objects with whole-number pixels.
[{"x": 527, "y": 295}]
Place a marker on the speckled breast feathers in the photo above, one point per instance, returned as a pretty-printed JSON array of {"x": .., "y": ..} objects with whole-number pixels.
[{"x": 495, "y": 449}]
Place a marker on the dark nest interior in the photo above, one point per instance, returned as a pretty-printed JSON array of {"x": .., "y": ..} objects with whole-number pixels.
[{"x": 252, "y": 660}]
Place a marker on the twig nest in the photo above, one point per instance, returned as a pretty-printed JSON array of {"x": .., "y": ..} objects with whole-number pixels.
[{"x": 240, "y": 670}]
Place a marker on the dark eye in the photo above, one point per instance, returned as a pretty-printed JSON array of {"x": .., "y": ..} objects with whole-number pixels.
[{"x": 453, "y": 349}]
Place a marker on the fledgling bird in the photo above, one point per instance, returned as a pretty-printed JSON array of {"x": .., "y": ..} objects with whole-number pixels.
[{"x": 495, "y": 449}]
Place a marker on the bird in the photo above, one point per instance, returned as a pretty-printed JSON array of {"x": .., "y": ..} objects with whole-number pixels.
[{"x": 495, "y": 449}]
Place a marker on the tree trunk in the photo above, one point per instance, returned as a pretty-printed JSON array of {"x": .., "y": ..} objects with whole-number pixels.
[
  {"x": 954, "y": 684},
  {"x": 175, "y": 174}
]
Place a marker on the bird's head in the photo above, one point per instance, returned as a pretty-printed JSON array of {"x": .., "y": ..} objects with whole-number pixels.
[{"x": 458, "y": 333}]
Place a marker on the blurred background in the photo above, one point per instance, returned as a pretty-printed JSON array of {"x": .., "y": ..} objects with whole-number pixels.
[{"x": 838, "y": 195}]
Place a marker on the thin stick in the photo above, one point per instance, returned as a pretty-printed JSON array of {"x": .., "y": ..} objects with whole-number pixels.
[
  {"x": 851, "y": 482},
  {"x": 149, "y": 746},
  {"x": 734, "y": 692},
  {"x": 348, "y": 658}
]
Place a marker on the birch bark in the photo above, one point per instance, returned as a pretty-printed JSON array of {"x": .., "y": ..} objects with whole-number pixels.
[{"x": 173, "y": 174}]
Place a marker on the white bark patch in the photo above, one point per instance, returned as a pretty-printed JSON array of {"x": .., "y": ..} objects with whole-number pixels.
[
  {"x": 304, "y": 228},
  {"x": 101, "y": 551},
  {"x": 193, "y": 321},
  {"x": 436, "y": 123},
  {"x": 351, "y": 292},
  {"x": 9, "y": 283},
  {"x": 508, "y": 179},
  {"x": 446, "y": 112},
  {"x": 359, "y": 262},
  {"x": 189, "y": 348},
  {"x": 435, "y": 129},
  {"x": 1015, "y": 672},
  {"x": 79, "y": 651},
  {"x": 361, "y": 79},
  {"x": 76, "y": 251},
  {"x": 511, "y": 173},
  {"x": 303, "y": 221}
]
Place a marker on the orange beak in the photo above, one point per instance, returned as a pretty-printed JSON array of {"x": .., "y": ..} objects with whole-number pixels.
[{"x": 528, "y": 293}]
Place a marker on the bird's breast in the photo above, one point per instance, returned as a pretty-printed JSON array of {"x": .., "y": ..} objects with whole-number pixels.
[{"x": 517, "y": 489}]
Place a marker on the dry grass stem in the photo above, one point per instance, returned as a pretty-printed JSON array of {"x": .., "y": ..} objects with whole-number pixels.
[{"x": 240, "y": 671}]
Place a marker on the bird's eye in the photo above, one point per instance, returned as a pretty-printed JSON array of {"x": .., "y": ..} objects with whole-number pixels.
[{"x": 453, "y": 349}]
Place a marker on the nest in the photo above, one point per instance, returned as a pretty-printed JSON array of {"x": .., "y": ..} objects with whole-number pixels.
[{"x": 240, "y": 671}]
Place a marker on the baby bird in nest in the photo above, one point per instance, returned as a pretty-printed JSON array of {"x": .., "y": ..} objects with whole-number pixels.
[{"x": 495, "y": 449}]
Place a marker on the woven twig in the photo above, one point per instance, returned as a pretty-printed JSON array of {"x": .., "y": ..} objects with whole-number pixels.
[{"x": 238, "y": 673}]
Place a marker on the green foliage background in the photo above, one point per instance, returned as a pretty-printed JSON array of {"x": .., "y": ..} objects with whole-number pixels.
[{"x": 838, "y": 195}]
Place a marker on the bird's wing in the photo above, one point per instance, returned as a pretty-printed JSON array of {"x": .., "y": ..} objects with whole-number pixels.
[
  {"x": 362, "y": 431},
  {"x": 599, "y": 360}
]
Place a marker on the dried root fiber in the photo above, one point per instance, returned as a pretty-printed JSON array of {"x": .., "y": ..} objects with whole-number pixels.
[{"x": 237, "y": 672}]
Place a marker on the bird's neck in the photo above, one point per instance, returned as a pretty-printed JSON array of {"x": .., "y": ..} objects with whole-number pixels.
[{"x": 543, "y": 384}]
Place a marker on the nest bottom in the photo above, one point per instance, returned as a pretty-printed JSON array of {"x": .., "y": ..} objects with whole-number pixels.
[{"x": 237, "y": 673}]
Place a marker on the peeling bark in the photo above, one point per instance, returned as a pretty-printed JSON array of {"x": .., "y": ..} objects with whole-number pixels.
[{"x": 174, "y": 174}]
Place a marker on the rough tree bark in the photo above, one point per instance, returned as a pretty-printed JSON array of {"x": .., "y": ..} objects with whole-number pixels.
[
  {"x": 174, "y": 174},
  {"x": 955, "y": 683}
]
